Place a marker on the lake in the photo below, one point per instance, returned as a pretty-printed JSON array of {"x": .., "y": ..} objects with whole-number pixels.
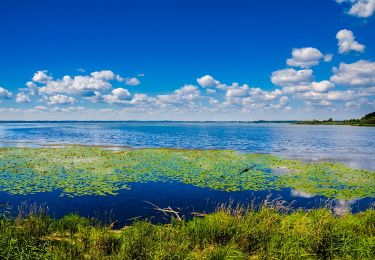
[{"x": 350, "y": 145}]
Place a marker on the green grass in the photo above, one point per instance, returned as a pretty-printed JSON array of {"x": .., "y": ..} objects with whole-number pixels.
[
  {"x": 76, "y": 171},
  {"x": 236, "y": 233}
]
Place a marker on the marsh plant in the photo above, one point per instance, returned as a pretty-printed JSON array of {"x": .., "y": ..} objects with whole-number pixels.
[
  {"x": 76, "y": 171},
  {"x": 269, "y": 232}
]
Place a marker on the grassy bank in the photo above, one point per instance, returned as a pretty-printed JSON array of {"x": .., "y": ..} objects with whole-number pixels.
[{"x": 229, "y": 233}]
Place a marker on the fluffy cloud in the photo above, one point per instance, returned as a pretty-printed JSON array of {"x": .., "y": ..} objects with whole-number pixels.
[
  {"x": 5, "y": 93},
  {"x": 22, "y": 98},
  {"x": 363, "y": 92},
  {"x": 307, "y": 57},
  {"x": 208, "y": 81},
  {"x": 360, "y": 8},
  {"x": 185, "y": 95},
  {"x": 292, "y": 77},
  {"x": 118, "y": 96},
  {"x": 363, "y": 8},
  {"x": 347, "y": 42},
  {"x": 310, "y": 95},
  {"x": 237, "y": 91},
  {"x": 340, "y": 95},
  {"x": 262, "y": 95},
  {"x": 322, "y": 86},
  {"x": 240, "y": 96},
  {"x": 32, "y": 88},
  {"x": 358, "y": 74},
  {"x": 44, "y": 84},
  {"x": 41, "y": 77},
  {"x": 211, "y": 96},
  {"x": 263, "y": 102},
  {"x": 283, "y": 100},
  {"x": 105, "y": 75},
  {"x": 132, "y": 81},
  {"x": 142, "y": 99},
  {"x": 248, "y": 98},
  {"x": 79, "y": 85},
  {"x": 330, "y": 96},
  {"x": 60, "y": 100}
]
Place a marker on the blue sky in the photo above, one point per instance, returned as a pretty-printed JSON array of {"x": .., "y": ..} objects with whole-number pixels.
[{"x": 186, "y": 60}]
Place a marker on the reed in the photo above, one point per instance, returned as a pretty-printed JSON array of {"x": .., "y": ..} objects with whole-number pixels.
[{"x": 269, "y": 231}]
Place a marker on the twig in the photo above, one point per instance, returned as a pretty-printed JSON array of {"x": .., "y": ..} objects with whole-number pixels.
[{"x": 166, "y": 210}]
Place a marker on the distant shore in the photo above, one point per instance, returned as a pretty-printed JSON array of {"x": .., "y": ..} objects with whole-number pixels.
[
  {"x": 316, "y": 122},
  {"x": 367, "y": 120}
]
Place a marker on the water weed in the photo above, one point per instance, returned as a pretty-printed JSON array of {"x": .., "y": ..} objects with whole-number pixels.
[{"x": 79, "y": 171}]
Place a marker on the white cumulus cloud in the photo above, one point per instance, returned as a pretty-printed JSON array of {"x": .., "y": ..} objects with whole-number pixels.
[
  {"x": 358, "y": 74},
  {"x": 118, "y": 96},
  {"x": 237, "y": 91},
  {"x": 41, "y": 76},
  {"x": 142, "y": 99},
  {"x": 182, "y": 96},
  {"x": 347, "y": 42},
  {"x": 290, "y": 77},
  {"x": 105, "y": 75},
  {"x": 360, "y": 8},
  {"x": 81, "y": 85},
  {"x": 60, "y": 100},
  {"x": 22, "y": 98},
  {"x": 307, "y": 57},
  {"x": 5, "y": 93},
  {"x": 330, "y": 96},
  {"x": 340, "y": 95},
  {"x": 132, "y": 81},
  {"x": 208, "y": 81},
  {"x": 321, "y": 86}
]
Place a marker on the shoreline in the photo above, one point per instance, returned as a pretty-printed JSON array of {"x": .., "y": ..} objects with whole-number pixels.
[
  {"x": 230, "y": 232},
  {"x": 339, "y": 123},
  {"x": 273, "y": 230}
]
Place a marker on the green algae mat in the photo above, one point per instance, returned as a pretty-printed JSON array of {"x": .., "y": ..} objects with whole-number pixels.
[{"x": 76, "y": 171}]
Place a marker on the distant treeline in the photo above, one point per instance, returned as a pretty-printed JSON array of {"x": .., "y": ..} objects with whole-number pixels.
[{"x": 367, "y": 120}]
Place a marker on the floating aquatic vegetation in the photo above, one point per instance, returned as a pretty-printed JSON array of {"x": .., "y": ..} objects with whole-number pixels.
[{"x": 79, "y": 171}]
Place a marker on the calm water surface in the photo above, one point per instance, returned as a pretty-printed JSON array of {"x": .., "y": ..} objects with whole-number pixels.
[{"x": 347, "y": 144}]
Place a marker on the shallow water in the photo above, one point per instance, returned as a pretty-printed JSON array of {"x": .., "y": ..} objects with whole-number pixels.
[
  {"x": 184, "y": 198},
  {"x": 346, "y": 144}
]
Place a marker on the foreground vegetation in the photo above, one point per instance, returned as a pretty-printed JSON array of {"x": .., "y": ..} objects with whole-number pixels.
[
  {"x": 79, "y": 171},
  {"x": 268, "y": 233},
  {"x": 367, "y": 120}
]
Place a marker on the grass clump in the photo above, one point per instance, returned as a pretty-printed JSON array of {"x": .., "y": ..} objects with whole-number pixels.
[{"x": 226, "y": 234}]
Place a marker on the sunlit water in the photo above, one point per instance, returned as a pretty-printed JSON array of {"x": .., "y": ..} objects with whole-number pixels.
[{"x": 354, "y": 146}]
